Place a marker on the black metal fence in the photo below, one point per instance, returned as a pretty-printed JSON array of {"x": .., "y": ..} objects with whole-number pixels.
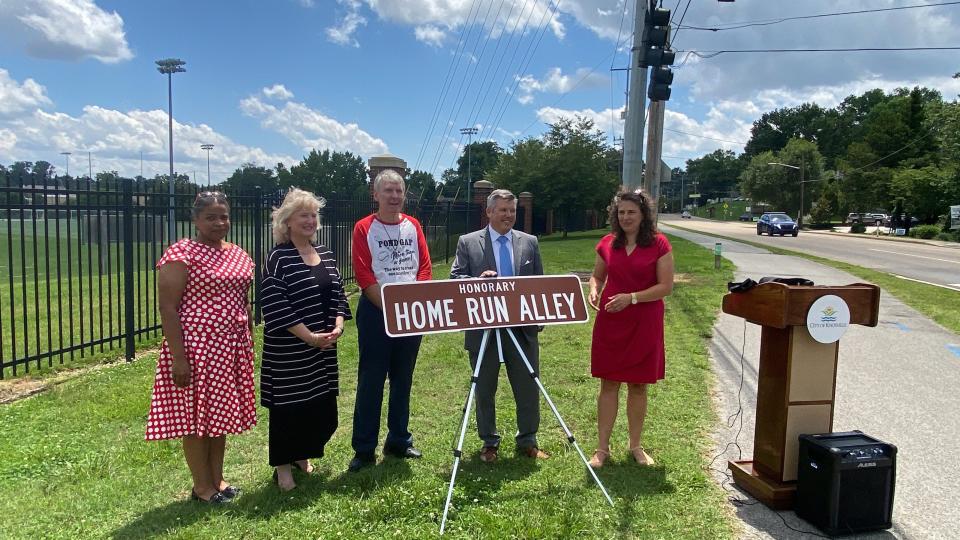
[{"x": 77, "y": 261}]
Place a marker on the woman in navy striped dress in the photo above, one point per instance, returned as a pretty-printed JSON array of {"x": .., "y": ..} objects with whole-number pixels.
[{"x": 304, "y": 308}]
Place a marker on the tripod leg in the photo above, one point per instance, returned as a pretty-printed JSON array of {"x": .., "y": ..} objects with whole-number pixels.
[
  {"x": 556, "y": 413},
  {"x": 458, "y": 452}
]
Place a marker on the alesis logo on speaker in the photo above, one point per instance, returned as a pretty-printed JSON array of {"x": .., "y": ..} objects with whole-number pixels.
[{"x": 866, "y": 465}]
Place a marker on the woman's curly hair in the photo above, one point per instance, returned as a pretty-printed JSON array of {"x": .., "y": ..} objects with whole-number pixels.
[{"x": 648, "y": 229}]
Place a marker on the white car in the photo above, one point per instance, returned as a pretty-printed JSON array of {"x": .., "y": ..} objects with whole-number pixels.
[{"x": 685, "y": 214}]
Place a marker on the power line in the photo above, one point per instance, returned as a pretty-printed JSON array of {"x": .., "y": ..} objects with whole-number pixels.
[
  {"x": 768, "y": 22},
  {"x": 897, "y": 151},
  {"x": 680, "y": 24},
  {"x": 712, "y": 53}
]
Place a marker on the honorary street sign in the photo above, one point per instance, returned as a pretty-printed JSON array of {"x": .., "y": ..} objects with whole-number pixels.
[{"x": 452, "y": 305}]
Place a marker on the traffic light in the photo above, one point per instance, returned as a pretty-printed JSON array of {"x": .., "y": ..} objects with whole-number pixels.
[{"x": 658, "y": 55}]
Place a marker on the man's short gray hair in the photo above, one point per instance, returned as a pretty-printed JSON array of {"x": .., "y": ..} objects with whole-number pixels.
[
  {"x": 500, "y": 195},
  {"x": 388, "y": 175}
]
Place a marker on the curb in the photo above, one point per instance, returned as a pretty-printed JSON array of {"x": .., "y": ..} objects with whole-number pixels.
[{"x": 935, "y": 243}]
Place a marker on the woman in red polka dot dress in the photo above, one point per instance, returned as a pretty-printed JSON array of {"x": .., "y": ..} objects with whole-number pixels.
[{"x": 204, "y": 383}]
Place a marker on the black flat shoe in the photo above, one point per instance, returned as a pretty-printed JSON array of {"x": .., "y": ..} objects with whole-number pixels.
[
  {"x": 403, "y": 453},
  {"x": 230, "y": 492},
  {"x": 360, "y": 461},
  {"x": 216, "y": 499}
]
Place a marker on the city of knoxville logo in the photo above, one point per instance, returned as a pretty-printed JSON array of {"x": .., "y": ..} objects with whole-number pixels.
[{"x": 829, "y": 315}]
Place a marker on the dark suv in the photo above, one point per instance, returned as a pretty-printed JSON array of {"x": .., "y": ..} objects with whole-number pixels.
[{"x": 777, "y": 223}]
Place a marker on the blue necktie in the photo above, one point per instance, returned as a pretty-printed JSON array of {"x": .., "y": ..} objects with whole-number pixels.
[{"x": 506, "y": 268}]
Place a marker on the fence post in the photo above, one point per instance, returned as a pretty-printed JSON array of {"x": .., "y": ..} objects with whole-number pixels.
[
  {"x": 128, "y": 299},
  {"x": 258, "y": 253},
  {"x": 447, "y": 228}
]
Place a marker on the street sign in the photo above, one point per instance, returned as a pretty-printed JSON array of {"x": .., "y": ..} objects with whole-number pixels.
[
  {"x": 694, "y": 195},
  {"x": 452, "y": 305}
]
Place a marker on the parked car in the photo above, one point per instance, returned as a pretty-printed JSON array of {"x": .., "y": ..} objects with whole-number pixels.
[
  {"x": 685, "y": 214},
  {"x": 777, "y": 223},
  {"x": 746, "y": 216},
  {"x": 866, "y": 218},
  {"x": 913, "y": 221}
]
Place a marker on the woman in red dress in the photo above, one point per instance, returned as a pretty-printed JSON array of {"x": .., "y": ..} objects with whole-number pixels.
[
  {"x": 634, "y": 271},
  {"x": 204, "y": 383}
]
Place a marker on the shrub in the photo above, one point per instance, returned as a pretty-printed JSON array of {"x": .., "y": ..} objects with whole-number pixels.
[
  {"x": 925, "y": 232},
  {"x": 858, "y": 228},
  {"x": 946, "y": 237}
]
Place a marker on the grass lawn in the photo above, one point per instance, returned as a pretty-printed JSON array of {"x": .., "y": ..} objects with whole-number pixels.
[{"x": 75, "y": 463}]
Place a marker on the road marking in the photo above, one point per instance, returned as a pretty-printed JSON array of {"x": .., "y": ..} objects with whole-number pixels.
[
  {"x": 955, "y": 349},
  {"x": 915, "y": 256},
  {"x": 957, "y": 285},
  {"x": 951, "y": 287}
]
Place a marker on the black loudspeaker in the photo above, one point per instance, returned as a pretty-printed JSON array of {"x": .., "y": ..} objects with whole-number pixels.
[{"x": 845, "y": 482}]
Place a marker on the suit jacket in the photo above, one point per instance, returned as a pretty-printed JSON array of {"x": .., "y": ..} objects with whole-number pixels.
[{"x": 475, "y": 255}]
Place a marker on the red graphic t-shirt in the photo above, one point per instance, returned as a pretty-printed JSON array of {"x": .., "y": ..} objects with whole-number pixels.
[{"x": 389, "y": 252}]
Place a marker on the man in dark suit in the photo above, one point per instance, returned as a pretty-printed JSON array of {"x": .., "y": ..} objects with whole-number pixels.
[{"x": 499, "y": 250}]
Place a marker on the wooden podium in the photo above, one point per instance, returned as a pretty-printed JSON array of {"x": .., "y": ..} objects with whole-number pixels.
[{"x": 797, "y": 379}]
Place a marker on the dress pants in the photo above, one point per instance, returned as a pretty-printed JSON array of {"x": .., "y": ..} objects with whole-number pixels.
[
  {"x": 382, "y": 357},
  {"x": 525, "y": 391}
]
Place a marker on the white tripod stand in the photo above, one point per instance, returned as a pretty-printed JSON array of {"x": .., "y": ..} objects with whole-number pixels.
[{"x": 458, "y": 452}]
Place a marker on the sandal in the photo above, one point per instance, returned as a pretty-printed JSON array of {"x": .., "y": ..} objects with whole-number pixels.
[
  {"x": 216, "y": 499},
  {"x": 641, "y": 456},
  {"x": 599, "y": 458}
]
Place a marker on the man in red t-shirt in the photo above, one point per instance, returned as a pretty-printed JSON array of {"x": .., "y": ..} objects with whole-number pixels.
[{"x": 388, "y": 247}]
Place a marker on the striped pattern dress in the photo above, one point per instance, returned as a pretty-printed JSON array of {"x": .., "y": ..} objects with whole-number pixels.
[{"x": 298, "y": 383}]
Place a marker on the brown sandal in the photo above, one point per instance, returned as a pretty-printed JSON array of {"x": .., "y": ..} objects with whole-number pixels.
[
  {"x": 599, "y": 458},
  {"x": 641, "y": 456}
]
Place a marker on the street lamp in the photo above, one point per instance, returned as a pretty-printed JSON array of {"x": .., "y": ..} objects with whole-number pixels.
[
  {"x": 469, "y": 132},
  {"x": 67, "y": 156},
  {"x": 800, "y": 168},
  {"x": 208, "y": 147},
  {"x": 168, "y": 67}
]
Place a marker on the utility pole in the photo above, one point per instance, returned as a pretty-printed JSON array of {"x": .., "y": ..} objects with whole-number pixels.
[
  {"x": 633, "y": 130},
  {"x": 651, "y": 174},
  {"x": 469, "y": 132}
]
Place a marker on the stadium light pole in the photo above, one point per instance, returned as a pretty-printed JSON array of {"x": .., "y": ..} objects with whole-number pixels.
[
  {"x": 67, "y": 156},
  {"x": 168, "y": 67},
  {"x": 208, "y": 147},
  {"x": 469, "y": 132}
]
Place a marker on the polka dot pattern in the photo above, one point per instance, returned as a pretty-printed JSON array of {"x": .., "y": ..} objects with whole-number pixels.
[{"x": 216, "y": 336}]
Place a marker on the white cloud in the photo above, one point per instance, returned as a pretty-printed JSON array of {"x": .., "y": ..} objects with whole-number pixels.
[
  {"x": 16, "y": 98},
  {"x": 342, "y": 32},
  {"x": 65, "y": 30},
  {"x": 277, "y": 91},
  {"x": 521, "y": 15},
  {"x": 430, "y": 34},
  {"x": 116, "y": 138},
  {"x": 557, "y": 83},
  {"x": 606, "y": 120},
  {"x": 307, "y": 3},
  {"x": 309, "y": 129}
]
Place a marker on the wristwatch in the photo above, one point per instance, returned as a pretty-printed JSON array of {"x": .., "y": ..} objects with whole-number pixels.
[{"x": 633, "y": 298}]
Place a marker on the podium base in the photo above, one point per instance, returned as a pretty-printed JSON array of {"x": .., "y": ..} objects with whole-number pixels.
[{"x": 776, "y": 495}]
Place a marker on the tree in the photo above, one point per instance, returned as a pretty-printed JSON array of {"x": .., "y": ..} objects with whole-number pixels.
[
  {"x": 329, "y": 172},
  {"x": 822, "y": 212},
  {"x": 421, "y": 186},
  {"x": 566, "y": 169},
  {"x": 484, "y": 157},
  {"x": 248, "y": 177},
  {"x": 780, "y": 186},
  {"x": 716, "y": 173},
  {"x": 775, "y": 128},
  {"x": 926, "y": 191}
]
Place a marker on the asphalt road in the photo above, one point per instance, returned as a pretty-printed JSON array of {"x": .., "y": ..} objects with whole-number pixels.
[
  {"x": 897, "y": 382},
  {"x": 937, "y": 263}
]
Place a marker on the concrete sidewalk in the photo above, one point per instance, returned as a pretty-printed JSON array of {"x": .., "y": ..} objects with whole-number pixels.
[{"x": 897, "y": 382}]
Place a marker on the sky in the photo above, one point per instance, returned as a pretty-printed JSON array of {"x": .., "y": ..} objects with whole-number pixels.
[{"x": 267, "y": 82}]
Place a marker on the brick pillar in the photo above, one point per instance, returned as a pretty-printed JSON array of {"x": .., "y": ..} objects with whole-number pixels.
[
  {"x": 481, "y": 190},
  {"x": 549, "y": 224},
  {"x": 526, "y": 202},
  {"x": 377, "y": 164}
]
